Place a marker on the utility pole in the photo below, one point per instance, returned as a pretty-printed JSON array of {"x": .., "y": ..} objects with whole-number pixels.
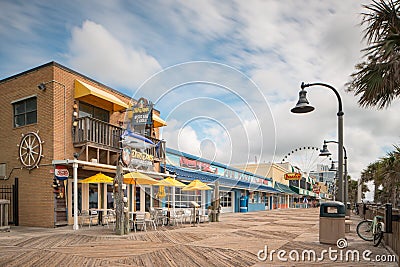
[{"x": 121, "y": 209}]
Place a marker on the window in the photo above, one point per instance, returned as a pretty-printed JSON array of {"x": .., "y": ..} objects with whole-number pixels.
[
  {"x": 25, "y": 112},
  {"x": 2, "y": 170},
  {"x": 182, "y": 198},
  {"x": 225, "y": 199},
  {"x": 87, "y": 110},
  {"x": 93, "y": 196}
]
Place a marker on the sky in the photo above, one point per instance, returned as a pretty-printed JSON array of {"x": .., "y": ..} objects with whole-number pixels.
[{"x": 223, "y": 74}]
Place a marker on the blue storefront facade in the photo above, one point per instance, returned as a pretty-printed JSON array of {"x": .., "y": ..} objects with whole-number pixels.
[{"x": 239, "y": 191}]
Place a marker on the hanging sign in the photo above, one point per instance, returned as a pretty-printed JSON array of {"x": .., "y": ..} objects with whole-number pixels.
[
  {"x": 61, "y": 172},
  {"x": 292, "y": 176},
  {"x": 141, "y": 112},
  {"x": 136, "y": 159}
]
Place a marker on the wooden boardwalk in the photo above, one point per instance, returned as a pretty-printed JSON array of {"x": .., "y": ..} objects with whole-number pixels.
[{"x": 235, "y": 241}]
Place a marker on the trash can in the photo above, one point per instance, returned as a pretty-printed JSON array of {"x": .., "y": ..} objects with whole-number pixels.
[
  {"x": 243, "y": 204},
  {"x": 331, "y": 222}
]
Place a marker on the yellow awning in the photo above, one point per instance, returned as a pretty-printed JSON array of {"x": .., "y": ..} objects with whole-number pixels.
[
  {"x": 91, "y": 94},
  {"x": 158, "y": 122}
]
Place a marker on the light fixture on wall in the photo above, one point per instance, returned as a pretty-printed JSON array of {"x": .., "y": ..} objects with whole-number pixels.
[
  {"x": 75, "y": 115},
  {"x": 42, "y": 86}
]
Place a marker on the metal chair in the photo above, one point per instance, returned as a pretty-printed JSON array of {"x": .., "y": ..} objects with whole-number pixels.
[
  {"x": 140, "y": 220},
  {"x": 151, "y": 218}
]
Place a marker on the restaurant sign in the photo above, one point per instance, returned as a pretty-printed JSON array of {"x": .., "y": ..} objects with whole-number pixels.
[
  {"x": 293, "y": 176},
  {"x": 137, "y": 160},
  {"x": 141, "y": 112}
]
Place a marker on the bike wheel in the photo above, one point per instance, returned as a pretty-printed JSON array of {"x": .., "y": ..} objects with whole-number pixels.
[
  {"x": 378, "y": 235},
  {"x": 364, "y": 230}
]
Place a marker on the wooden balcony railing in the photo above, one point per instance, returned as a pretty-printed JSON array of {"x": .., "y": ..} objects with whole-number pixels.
[
  {"x": 107, "y": 136},
  {"x": 90, "y": 130}
]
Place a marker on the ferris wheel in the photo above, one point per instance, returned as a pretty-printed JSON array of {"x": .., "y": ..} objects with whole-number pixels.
[{"x": 306, "y": 158}]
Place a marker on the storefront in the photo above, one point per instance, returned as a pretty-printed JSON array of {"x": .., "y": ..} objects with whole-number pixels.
[
  {"x": 233, "y": 183},
  {"x": 60, "y": 118}
]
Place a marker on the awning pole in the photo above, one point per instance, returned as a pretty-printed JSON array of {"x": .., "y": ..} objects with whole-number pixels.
[{"x": 75, "y": 176}]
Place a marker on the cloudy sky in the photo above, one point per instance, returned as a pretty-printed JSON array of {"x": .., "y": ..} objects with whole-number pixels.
[{"x": 224, "y": 74}]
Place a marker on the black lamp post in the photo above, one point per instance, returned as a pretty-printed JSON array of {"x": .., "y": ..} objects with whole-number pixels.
[
  {"x": 303, "y": 106},
  {"x": 325, "y": 152}
]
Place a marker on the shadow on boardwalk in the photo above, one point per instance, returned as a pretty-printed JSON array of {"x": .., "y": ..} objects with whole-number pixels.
[{"x": 235, "y": 241}]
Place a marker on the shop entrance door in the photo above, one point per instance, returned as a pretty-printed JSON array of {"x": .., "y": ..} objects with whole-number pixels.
[{"x": 143, "y": 198}]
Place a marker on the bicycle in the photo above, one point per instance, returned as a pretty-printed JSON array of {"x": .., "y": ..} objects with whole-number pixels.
[{"x": 371, "y": 230}]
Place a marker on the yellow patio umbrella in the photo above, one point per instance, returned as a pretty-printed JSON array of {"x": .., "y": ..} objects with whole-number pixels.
[
  {"x": 138, "y": 178},
  {"x": 196, "y": 185},
  {"x": 170, "y": 182},
  {"x": 161, "y": 192},
  {"x": 97, "y": 179}
]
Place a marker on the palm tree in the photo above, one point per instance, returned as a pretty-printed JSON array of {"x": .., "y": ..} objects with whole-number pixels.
[
  {"x": 391, "y": 177},
  {"x": 377, "y": 78},
  {"x": 386, "y": 176}
]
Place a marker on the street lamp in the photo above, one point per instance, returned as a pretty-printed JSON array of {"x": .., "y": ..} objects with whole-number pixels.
[
  {"x": 333, "y": 167},
  {"x": 303, "y": 106},
  {"x": 325, "y": 152}
]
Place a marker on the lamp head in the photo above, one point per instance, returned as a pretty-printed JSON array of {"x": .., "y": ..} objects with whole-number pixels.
[
  {"x": 324, "y": 151},
  {"x": 302, "y": 106},
  {"x": 42, "y": 86},
  {"x": 333, "y": 167}
]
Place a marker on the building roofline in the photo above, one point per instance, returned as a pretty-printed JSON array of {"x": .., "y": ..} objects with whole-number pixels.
[
  {"x": 217, "y": 164},
  {"x": 53, "y": 63}
]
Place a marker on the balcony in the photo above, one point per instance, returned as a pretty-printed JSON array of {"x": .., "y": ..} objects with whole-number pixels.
[{"x": 102, "y": 136}]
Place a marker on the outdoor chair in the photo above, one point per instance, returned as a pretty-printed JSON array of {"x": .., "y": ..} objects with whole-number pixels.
[
  {"x": 160, "y": 217},
  {"x": 109, "y": 217},
  {"x": 140, "y": 220},
  {"x": 187, "y": 215},
  {"x": 87, "y": 217},
  {"x": 150, "y": 218},
  {"x": 176, "y": 217}
]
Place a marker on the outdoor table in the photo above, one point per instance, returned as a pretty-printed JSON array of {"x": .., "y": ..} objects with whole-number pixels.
[
  {"x": 167, "y": 215},
  {"x": 100, "y": 213}
]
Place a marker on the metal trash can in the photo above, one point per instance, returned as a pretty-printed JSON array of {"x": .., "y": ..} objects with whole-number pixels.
[
  {"x": 331, "y": 222},
  {"x": 243, "y": 204}
]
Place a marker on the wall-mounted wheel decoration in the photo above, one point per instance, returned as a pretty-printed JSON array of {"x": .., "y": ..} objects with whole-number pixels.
[{"x": 30, "y": 150}]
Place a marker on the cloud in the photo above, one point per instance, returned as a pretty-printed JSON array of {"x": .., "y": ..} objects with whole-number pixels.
[
  {"x": 277, "y": 44},
  {"x": 95, "y": 51}
]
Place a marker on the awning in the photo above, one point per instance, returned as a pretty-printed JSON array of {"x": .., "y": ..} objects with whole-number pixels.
[
  {"x": 93, "y": 95},
  {"x": 187, "y": 174},
  {"x": 158, "y": 122},
  {"x": 284, "y": 188}
]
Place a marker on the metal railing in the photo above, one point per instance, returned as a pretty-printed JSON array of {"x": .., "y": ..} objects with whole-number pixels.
[{"x": 391, "y": 239}]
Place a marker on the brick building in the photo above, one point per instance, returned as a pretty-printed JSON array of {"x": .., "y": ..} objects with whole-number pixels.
[{"x": 52, "y": 116}]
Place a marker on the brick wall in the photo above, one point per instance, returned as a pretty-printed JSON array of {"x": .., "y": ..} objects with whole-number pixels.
[
  {"x": 54, "y": 126},
  {"x": 35, "y": 192}
]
